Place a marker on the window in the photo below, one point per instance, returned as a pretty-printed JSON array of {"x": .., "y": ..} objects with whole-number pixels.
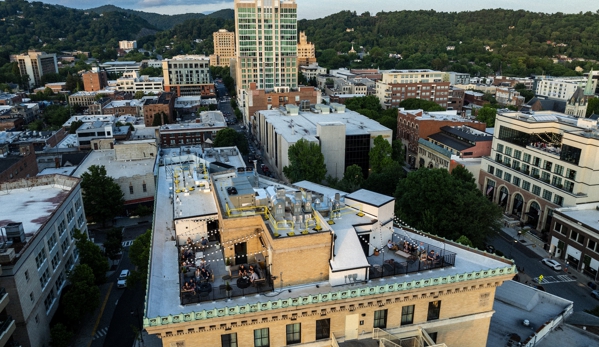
[
  {"x": 80, "y": 222},
  {"x": 60, "y": 281},
  {"x": 558, "y": 169},
  {"x": 558, "y": 200},
  {"x": 62, "y": 226},
  {"x": 27, "y": 275},
  {"x": 516, "y": 165},
  {"x": 52, "y": 241},
  {"x": 261, "y": 338},
  {"x": 517, "y": 154},
  {"x": 536, "y": 190},
  {"x": 571, "y": 174},
  {"x": 526, "y": 185},
  {"x": 507, "y": 177},
  {"x": 78, "y": 204},
  {"x": 499, "y": 148},
  {"x": 434, "y": 309},
  {"x": 491, "y": 169},
  {"x": 556, "y": 181},
  {"x": 526, "y": 158},
  {"x": 516, "y": 181},
  {"x": 144, "y": 187},
  {"x": 44, "y": 278},
  {"x": 547, "y": 194},
  {"x": 130, "y": 189},
  {"x": 294, "y": 333},
  {"x": 228, "y": 340},
  {"x": 49, "y": 300},
  {"x": 545, "y": 176},
  {"x": 592, "y": 245},
  {"x": 536, "y": 161},
  {"x": 433, "y": 336},
  {"x": 55, "y": 261},
  {"x": 526, "y": 168},
  {"x": 508, "y": 151},
  {"x": 407, "y": 315},
  {"x": 380, "y": 319},
  {"x": 570, "y": 154},
  {"x": 548, "y": 165},
  {"x": 64, "y": 247},
  {"x": 498, "y": 158},
  {"x": 507, "y": 161},
  {"x": 569, "y": 186},
  {"x": 577, "y": 237},
  {"x": 37, "y": 318},
  {"x": 499, "y": 173},
  {"x": 323, "y": 329},
  {"x": 40, "y": 258}
]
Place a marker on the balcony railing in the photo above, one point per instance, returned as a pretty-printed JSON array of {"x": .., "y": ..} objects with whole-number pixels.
[{"x": 5, "y": 324}]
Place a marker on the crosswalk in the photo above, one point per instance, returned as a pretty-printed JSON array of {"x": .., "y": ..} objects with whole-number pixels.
[
  {"x": 100, "y": 333},
  {"x": 554, "y": 279},
  {"x": 127, "y": 243}
]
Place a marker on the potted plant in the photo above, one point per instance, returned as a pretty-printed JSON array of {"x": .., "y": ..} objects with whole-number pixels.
[
  {"x": 376, "y": 251},
  {"x": 228, "y": 289},
  {"x": 227, "y": 264}
]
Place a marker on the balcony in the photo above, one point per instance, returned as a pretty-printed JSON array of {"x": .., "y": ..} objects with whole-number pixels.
[
  {"x": 3, "y": 299},
  {"x": 7, "y": 328}
]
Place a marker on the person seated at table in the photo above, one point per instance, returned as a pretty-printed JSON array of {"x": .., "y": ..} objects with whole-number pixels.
[
  {"x": 243, "y": 272},
  {"x": 203, "y": 263},
  {"x": 437, "y": 258},
  {"x": 406, "y": 246},
  {"x": 204, "y": 242},
  {"x": 187, "y": 287},
  {"x": 252, "y": 269},
  {"x": 253, "y": 276},
  {"x": 204, "y": 274},
  {"x": 189, "y": 242},
  {"x": 392, "y": 246},
  {"x": 431, "y": 256}
]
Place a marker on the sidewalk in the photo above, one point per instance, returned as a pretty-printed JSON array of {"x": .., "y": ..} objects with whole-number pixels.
[
  {"x": 536, "y": 245},
  {"x": 148, "y": 341},
  {"x": 86, "y": 332}
]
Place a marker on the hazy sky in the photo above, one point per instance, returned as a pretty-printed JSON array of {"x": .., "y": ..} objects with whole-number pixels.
[{"x": 320, "y": 8}]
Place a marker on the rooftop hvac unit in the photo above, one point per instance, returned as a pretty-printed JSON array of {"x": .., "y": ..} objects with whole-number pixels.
[
  {"x": 15, "y": 232},
  {"x": 305, "y": 105}
]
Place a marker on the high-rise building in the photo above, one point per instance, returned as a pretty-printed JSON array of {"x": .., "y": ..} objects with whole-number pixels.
[
  {"x": 94, "y": 80},
  {"x": 224, "y": 48},
  {"x": 36, "y": 64},
  {"x": 306, "y": 54},
  {"x": 266, "y": 42},
  {"x": 188, "y": 75}
]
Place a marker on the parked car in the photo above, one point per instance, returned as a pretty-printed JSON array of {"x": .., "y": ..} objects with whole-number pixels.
[
  {"x": 552, "y": 264},
  {"x": 593, "y": 285},
  {"x": 595, "y": 294},
  {"x": 122, "y": 280}
]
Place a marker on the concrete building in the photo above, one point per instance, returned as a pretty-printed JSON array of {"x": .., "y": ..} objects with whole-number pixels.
[
  {"x": 224, "y": 48},
  {"x": 266, "y": 39},
  {"x": 90, "y": 131},
  {"x": 88, "y": 98},
  {"x": 398, "y": 85},
  {"x": 35, "y": 64},
  {"x": 413, "y": 125},
  {"x": 540, "y": 162},
  {"x": 7, "y": 325},
  {"x": 326, "y": 275},
  {"x": 312, "y": 70},
  {"x": 131, "y": 164},
  {"x": 120, "y": 67},
  {"x": 306, "y": 53},
  {"x": 128, "y": 45},
  {"x": 204, "y": 128},
  {"x": 94, "y": 80},
  {"x": 132, "y": 82},
  {"x": 345, "y": 137},
  {"x": 562, "y": 88},
  {"x": 41, "y": 215},
  {"x": 188, "y": 75},
  {"x": 508, "y": 97},
  {"x": 457, "y": 78}
]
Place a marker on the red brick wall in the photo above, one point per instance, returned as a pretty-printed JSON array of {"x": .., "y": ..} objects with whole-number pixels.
[
  {"x": 260, "y": 98},
  {"x": 26, "y": 167}
]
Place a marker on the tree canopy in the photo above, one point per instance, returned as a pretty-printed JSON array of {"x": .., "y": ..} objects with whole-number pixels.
[
  {"x": 425, "y": 105},
  {"x": 230, "y": 137},
  {"x": 380, "y": 154},
  {"x": 436, "y": 202},
  {"x": 487, "y": 115},
  {"x": 139, "y": 254},
  {"x": 83, "y": 296},
  {"x": 306, "y": 162},
  {"x": 92, "y": 256},
  {"x": 102, "y": 196}
]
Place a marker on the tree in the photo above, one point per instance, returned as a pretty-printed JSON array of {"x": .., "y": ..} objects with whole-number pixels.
[
  {"x": 380, "y": 154},
  {"x": 452, "y": 207},
  {"x": 139, "y": 94},
  {"x": 139, "y": 254},
  {"x": 228, "y": 137},
  {"x": 425, "y": 105},
  {"x": 399, "y": 152},
  {"x": 157, "y": 121},
  {"x": 74, "y": 126},
  {"x": 352, "y": 179},
  {"x": 464, "y": 241},
  {"x": 91, "y": 255},
  {"x": 60, "y": 335},
  {"x": 83, "y": 296},
  {"x": 386, "y": 181},
  {"x": 592, "y": 107},
  {"x": 306, "y": 162},
  {"x": 487, "y": 115},
  {"x": 114, "y": 243},
  {"x": 102, "y": 196},
  {"x": 461, "y": 173}
]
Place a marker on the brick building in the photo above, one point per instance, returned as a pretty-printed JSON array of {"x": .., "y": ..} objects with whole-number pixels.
[
  {"x": 398, "y": 85},
  {"x": 94, "y": 80},
  {"x": 455, "y": 101},
  {"x": 164, "y": 104},
  {"x": 191, "y": 134},
  {"x": 18, "y": 166},
  {"x": 260, "y": 99},
  {"x": 415, "y": 124}
]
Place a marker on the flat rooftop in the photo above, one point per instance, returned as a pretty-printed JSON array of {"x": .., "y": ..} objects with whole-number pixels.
[
  {"x": 584, "y": 213},
  {"x": 115, "y": 169}
]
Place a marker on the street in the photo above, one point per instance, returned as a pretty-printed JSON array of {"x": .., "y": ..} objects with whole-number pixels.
[{"x": 560, "y": 283}]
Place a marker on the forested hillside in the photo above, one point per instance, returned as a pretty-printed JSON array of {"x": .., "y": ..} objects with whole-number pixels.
[
  {"x": 160, "y": 21},
  {"x": 517, "y": 39}
]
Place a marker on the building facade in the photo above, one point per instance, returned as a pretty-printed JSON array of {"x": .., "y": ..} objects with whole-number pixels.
[
  {"x": 128, "y": 45},
  {"x": 35, "y": 64},
  {"x": 398, "y": 85},
  {"x": 224, "y": 48},
  {"x": 19, "y": 166},
  {"x": 261, "y": 99},
  {"x": 562, "y": 88},
  {"x": 266, "y": 43},
  {"x": 188, "y": 75},
  {"x": 41, "y": 252},
  {"x": 132, "y": 82},
  {"x": 306, "y": 53},
  {"x": 94, "y": 80},
  {"x": 540, "y": 162},
  {"x": 163, "y": 106}
]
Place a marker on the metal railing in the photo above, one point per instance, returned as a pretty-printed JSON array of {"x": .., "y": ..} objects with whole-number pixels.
[{"x": 5, "y": 324}]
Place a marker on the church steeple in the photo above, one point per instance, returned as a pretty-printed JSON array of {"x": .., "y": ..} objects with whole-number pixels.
[{"x": 588, "y": 89}]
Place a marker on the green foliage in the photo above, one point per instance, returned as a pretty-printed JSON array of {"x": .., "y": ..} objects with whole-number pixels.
[
  {"x": 36, "y": 125},
  {"x": 306, "y": 162},
  {"x": 157, "y": 121},
  {"x": 102, "y": 196},
  {"x": 114, "y": 243},
  {"x": 151, "y": 71},
  {"x": 142, "y": 210},
  {"x": 138, "y": 94},
  {"x": 592, "y": 107},
  {"x": 462, "y": 174},
  {"x": 60, "y": 335},
  {"x": 464, "y": 241},
  {"x": 139, "y": 254},
  {"x": 399, "y": 152},
  {"x": 380, "y": 154},
  {"x": 83, "y": 296},
  {"x": 594, "y": 311},
  {"x": 370, "y": 102},
  {"x": 436, "y": 202},
  {"x": 56, "y": 115},
  {"x": 229, "y": 137},
  {"x": 386, "y": 181},
  {"x": 487, "y": 115},
  {"x": 91, "y": 255},
  {"x": 425, "y": 105},
  {"x": 527, "y": 94},
  {"x": 74, "y": 126},
  {"x": 352, "y": 179}
]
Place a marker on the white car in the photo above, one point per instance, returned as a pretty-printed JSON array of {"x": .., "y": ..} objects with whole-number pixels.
[
  {"x": 552, "y": 264},
  {"x": 122, "y": 281}
]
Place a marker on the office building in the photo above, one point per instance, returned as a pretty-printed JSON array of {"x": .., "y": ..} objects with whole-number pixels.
[
  {"x": 562, "y": 88},
  {"x": 42, "y": 214},
  {"x": 306, "y": 53},
  {"x": 127, "y": 45},
  {"x": 197, "y": 133},
  {"x": 345, "y": 137},
  {"x": 224, "y": 48},
  {"x": 398, "y": 85},
  {"x": 132, "y": 82},
  {"x": 326, "y": 275},
  {"x": 35, "y": 64},
  {"x": 266, "y": 39},
  {"x": 312, "y": 70},
  {"x": 458, "y": 78},
  {"x": 540, "y": 162},
  {"x": 94, "y": 80},
  {"x": 188, "y": 75}
]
